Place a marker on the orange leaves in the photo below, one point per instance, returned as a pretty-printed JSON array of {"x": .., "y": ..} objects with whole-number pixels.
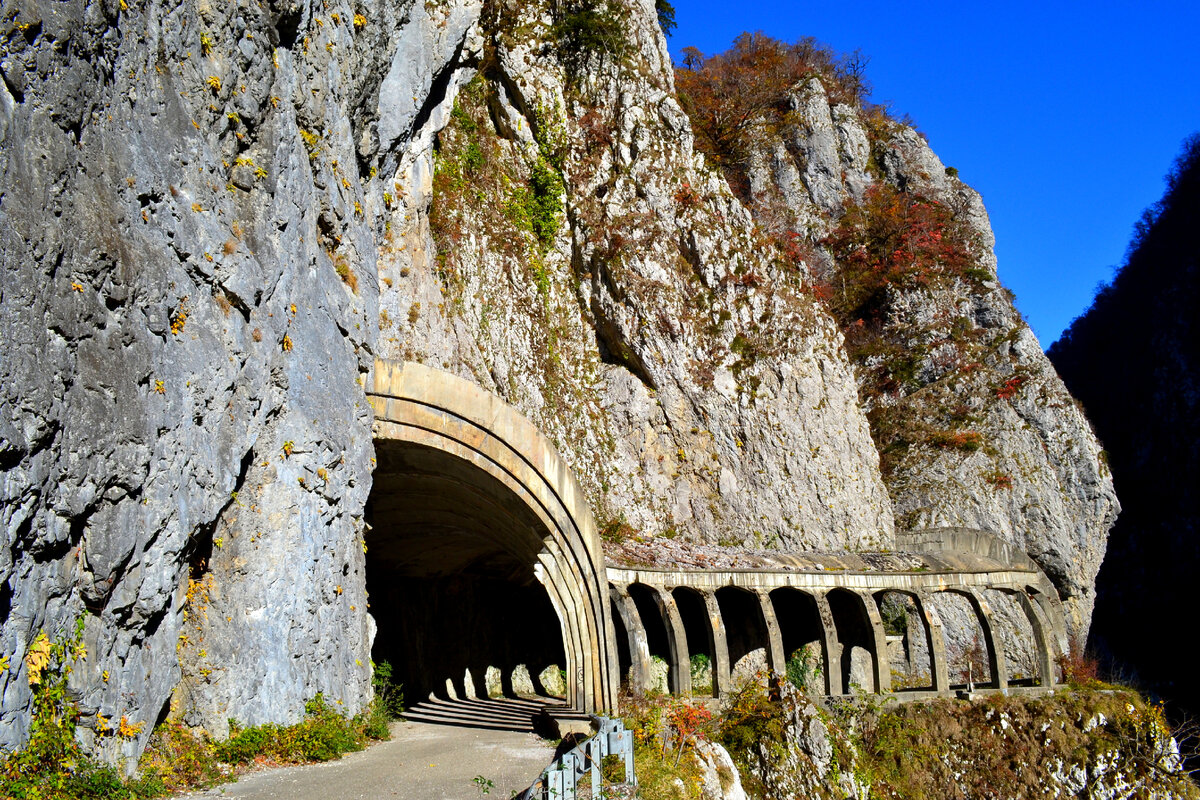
[
  {"x": 1010, "y": 387},
  {"x": 729, "y": 94},
  {"x": 895, "y": 239},
  {"x": 689, "y": 720}
]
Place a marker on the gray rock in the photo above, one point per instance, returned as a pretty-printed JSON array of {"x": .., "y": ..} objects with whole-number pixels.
[{"x": 1037, "y": 480}]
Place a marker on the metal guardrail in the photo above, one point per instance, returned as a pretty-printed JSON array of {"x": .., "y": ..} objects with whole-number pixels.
[{"x": 560, "y": 780}]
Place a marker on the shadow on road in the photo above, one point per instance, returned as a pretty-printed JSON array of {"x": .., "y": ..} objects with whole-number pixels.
[{"x": 498, "y": 714}]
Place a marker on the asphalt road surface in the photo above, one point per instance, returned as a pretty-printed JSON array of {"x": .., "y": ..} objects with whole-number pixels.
[{"x": 441, "y": 751}]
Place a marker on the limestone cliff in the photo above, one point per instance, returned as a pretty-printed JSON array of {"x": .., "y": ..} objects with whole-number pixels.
[
  {"x": 212, "y": 219},
  {"x": 974, "y": 425},
  {"x": 598, "y": 276}
]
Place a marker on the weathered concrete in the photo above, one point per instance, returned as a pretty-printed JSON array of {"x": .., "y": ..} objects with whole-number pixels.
[
  {"x": 1022, "y": 579},
  {"x": 433, "y": 409}
]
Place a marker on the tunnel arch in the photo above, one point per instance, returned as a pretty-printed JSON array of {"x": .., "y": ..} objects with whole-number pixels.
[{"x": 521, "y": 511}]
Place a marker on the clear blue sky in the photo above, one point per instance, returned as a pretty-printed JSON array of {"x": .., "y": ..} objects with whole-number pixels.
[{"x": 1065, "y": 116}]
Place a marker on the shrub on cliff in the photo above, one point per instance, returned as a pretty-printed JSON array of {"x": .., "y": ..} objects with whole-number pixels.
[
  {"x": 586, "y": 29},
  {"x": 730, "y": 94}
]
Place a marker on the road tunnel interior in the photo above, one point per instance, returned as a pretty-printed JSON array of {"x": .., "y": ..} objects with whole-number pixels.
[{"x": 452, "y": 574}]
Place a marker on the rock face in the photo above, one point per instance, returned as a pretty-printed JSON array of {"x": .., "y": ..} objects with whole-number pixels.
[
  {"x": 184, "y": 427},
  {"x": 215, "y": 217},
  {"x": 594, "y": 273},
  {"x": 975, "y": 427}
]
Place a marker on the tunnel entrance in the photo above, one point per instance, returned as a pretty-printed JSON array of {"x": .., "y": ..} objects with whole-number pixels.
[{"x": 456, "y": 582}]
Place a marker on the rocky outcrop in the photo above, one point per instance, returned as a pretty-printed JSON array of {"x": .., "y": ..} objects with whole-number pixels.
[
  {"x": 1095, "y": 744},
  {"x": 594, "y": 273},
  {"x": 975, "y": 427},
  {"x": 215, "y": 218}
]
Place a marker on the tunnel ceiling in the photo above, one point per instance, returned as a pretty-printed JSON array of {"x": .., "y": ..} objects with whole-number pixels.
[{"x": 433, "y": 514}]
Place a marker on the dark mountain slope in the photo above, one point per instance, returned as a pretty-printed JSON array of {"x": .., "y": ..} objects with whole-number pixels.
[{"x": 1133, "y": 359}]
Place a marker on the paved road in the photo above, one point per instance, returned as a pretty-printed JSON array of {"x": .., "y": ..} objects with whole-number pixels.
[{"x": 433, "y": 759}]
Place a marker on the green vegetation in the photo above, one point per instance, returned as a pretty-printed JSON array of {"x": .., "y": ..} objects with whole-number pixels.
[
  {"x": 803, "y": 669},
  {"x": 665, "y": 731},
  {"x": 322, "y": 735},
  {"x": 666, "y": 16},
  {"x": 587, "y": 30},
  {"x": 52, "y": 766},
  {"x": 701, "y": 670}
]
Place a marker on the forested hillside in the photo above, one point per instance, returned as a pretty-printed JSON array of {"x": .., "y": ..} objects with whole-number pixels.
[{"x": 1133, "y": 360}]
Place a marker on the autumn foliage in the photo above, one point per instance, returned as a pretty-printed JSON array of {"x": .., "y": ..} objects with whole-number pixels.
[
  {"x": 894, "y": 239},
  {"x": 731, "y": 94}
]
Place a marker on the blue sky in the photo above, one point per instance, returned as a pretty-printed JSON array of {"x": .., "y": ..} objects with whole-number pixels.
[{"x": 1065, "y": 116}]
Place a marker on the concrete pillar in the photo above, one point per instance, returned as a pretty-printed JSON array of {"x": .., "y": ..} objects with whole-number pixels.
[
  {"x": 1041, "y": 637},
  {"x": 721, "y": 668},
  {"x": 937, "y": 644},
  {"x": 681, "y": 663},
  {"x": 546, "y": 571},
  {"x": 635, "y": 631},
  {"x": 776, "y": 658},
  {"x": 586, "y": 672},
  {"x": 831, "y": 648},
  {"x": 1046, "y": 596},
  {"x": 996, "y": 659},
  {"x": 882, "y": 671}
]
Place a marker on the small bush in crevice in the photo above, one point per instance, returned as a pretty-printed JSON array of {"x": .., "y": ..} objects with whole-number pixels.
[
  {"x": 389, "y": 697},
  {"x": 586, "y": 29}
]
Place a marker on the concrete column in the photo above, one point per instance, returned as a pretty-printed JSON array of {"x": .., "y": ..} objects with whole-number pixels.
[
  {"x": 776, "y": 658},
  {"x": 831, "y": 648},
  {"x": 585, "y": 670},
  {"x": 681, "y": 664},
  {"x": 996, "y": 658},
  {"x": 635, "y": 631},
  {"x": 1041, "y": 637},
  {"x": 1046, "y": 598},
  {"x": 721, "y": 668},
  {"x": 612, "y": 674},
  {"x": 546, "y": 571},
  {"x": 882, "y": 672},
  {"x": 936, "y": 638}
]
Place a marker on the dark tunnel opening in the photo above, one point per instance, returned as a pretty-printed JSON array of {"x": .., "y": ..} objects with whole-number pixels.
[{"x": 452, "y": 575}]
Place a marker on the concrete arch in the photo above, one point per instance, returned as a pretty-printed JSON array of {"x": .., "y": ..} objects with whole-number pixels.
[
  {"x": 997, "y": 664},
  {"x": 426, "y": 408},
  {"x": 706, "y": 633},
  {"x": 801, "y": 623},
  {"x": 933, "y": 634}
]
